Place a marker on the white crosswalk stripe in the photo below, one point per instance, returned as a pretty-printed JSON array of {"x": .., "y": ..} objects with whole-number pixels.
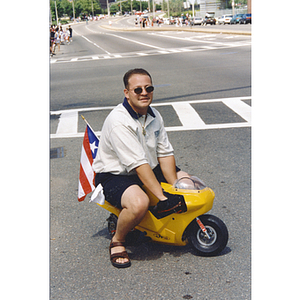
[
  {"x": 67, "y": 123},
  {"x": 212, "y": 46},
  {"x": 187, "y": 115}
]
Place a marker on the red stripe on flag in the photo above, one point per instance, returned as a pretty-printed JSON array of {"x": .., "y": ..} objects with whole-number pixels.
[
  {"x": 87, "y": 148},
  {"x": 86, "y": 173},
  {"x": 84, "y": 181}
]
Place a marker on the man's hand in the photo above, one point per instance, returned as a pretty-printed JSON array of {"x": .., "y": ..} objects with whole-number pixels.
[{"x": 172, "y": 202}]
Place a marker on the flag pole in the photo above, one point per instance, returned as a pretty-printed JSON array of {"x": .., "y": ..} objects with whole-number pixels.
[{"x": 84, "y": 119}]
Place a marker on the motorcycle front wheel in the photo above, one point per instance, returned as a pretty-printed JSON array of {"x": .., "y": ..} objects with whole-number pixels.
[{"x": 218, "y": 236}]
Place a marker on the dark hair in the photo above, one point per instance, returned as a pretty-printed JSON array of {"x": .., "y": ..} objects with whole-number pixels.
[{"x": 131, "y": 72}]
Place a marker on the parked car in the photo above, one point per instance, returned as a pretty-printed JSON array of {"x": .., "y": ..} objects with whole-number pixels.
[
  {"x": 225, "y": 19},
  {"x": 246, "y": 18},
  {"x": 209, "y": 18},
  {"x": 218, "y": 20},
  {"x": 196, "y": 21},
  {"x": 236, "y": 18}
]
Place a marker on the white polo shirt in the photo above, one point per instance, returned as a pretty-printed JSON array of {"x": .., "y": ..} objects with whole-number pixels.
[{"x": 123, "y": 146}]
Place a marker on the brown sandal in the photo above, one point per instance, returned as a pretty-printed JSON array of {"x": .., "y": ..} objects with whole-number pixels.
[{"x": 115, "y": 256}]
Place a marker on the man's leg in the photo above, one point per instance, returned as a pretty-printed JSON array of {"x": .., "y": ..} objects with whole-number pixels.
[{"x": 135, "y": 203}]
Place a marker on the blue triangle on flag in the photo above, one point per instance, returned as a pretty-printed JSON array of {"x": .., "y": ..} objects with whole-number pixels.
[{"x": 94, "y": 142}]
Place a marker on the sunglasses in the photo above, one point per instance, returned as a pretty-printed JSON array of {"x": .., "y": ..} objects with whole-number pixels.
[{"x": 149, "y": 89}]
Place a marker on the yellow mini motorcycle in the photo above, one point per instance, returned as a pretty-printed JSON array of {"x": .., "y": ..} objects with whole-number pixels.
[{"x": 186, "y": 223}]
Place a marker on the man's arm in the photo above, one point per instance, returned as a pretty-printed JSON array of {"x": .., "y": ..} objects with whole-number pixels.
[
  {"x": 168, "y": 167},
  {"x": 148, "y": 178}
]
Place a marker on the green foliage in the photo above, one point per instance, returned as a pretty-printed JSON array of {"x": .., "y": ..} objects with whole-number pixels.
[
  {"x": 126, "y": 7},
  {"x": 82, "y": 7}
]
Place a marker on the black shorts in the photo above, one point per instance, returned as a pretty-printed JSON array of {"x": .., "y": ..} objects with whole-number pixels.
[{"x": 115, "y": 185}]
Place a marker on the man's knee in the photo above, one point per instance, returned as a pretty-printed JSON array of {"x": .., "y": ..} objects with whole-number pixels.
[
  {"x": 136, "y": 200},
  {"x": 140, "y": 204}
]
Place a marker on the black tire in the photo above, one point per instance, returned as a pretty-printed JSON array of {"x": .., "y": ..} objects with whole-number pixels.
[
  {"x": 112, "y": 224},
  {"x": 216, "y": 229},
  {"x": 133, "y": 238}
]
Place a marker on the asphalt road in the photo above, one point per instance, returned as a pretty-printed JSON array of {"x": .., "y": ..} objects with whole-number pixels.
[{"x": 185, "y": 66}]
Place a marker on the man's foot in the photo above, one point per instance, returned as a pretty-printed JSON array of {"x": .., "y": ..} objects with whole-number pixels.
[{"x": 118, "y": 255}]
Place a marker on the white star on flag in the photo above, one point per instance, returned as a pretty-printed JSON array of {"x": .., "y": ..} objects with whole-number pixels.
[{"x": 93, "y": 147}]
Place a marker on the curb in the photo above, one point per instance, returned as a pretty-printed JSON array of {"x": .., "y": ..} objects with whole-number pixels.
[{"x": 189, "y": 29}]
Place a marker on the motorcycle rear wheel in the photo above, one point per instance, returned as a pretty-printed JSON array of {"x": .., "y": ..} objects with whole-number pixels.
[
  {"x": 133, "y": 238},
  {"x": 217, "y": 231}
]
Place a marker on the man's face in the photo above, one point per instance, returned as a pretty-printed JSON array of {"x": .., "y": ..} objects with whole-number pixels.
[{"x": 139, "y": 102}]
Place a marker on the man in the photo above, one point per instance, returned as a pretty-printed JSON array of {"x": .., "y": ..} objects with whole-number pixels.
[
  {"x": 71, "y": 34},
  {"x": 134, "y": 150},
  {"x": 52, "y": 34}
]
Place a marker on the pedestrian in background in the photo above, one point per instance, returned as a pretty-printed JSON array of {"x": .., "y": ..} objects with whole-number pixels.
[
  {"x": 52, "y": 33},
  {"x": 67, "y": 36},
  {"x": 70, "y": 30}
]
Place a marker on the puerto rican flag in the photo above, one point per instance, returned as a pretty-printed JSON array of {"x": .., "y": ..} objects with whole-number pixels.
[{"x": 88, "y": 153}]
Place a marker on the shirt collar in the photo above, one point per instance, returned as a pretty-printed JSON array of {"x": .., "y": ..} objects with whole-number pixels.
[{"x": 133, "y": 113}]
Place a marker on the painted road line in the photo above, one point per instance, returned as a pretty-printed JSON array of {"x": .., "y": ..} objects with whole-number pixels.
[
  {"x": 190, "y": 119},
  {"x": 208, "y": 47},
  {"x": 240, "y": 108},
  {"x": 67, "y": 123},
  {"x": 203, "y": 36},
  {"x": 185, "y": 49},
  {"x": 209, "y": 126},
  {"x": 137, "y": 42},
  {"x": 158, "y": 52},
  {"x": 188, "y": 116},
  {"x": 58, "y": 112},
  {"x": 94, "y": 44}
]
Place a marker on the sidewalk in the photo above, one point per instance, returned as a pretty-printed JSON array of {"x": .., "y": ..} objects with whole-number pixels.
[{"x": 206, "y": 29}]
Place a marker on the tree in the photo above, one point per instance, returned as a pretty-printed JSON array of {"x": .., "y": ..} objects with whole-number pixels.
[
  {"x": 82, "y": 7},
  {"x": 67, "y": 7}
]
